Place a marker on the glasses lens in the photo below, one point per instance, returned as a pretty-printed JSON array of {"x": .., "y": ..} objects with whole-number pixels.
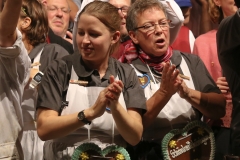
[
  {"x": 149, "y": 27},
  {"x": 164, "y": 27},
  {"x": 124, "y": 10}
]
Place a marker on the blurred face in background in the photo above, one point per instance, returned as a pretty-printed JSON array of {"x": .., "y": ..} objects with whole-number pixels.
[
  {"x": 58, "y": 16},
  {"x": 122, "y": 6},
  {"x": 186, "y": 13},
  {"x": 228, "y": 7}
]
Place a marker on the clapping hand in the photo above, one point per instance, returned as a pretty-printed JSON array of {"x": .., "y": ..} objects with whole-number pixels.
[
  {"x": 113, "y": 91},
  {"x": 184, "y": 91},
  {"x": 99, "y": 106},
  {"x": 170, "y": 80},
  {"x": 107, "y": 97}
]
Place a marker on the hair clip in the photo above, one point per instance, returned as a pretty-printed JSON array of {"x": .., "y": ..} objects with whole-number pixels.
[{"x": 24, "y": 11}]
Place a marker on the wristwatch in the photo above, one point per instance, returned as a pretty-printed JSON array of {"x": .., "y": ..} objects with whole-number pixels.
[
  {"x": 81, "y": 117},
  {"x": 36, "y": 79}
]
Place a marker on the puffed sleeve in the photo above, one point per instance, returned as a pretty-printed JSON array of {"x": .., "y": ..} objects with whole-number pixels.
[
  {"x": 53, "y": 84},
  {"x": 133, "y": 93}
]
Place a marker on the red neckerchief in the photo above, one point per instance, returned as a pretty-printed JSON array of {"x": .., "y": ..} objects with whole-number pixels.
[{"x": 131, "y": 53}]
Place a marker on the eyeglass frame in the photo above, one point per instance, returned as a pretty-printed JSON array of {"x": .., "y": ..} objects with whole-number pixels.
[
  {"x": 121, "y": 8},
  {"x": 56, "y": 9},
  {"x": 154, "y": 24}
]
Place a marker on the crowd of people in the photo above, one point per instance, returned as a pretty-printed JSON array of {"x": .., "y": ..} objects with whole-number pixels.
[{"x": 108, "y": 72}]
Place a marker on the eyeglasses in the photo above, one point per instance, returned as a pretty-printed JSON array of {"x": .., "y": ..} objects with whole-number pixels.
[
  {"x": 164, "y": 25},
  {"x": 123, "y": 9},
  {"x": 55, "y": 9}
]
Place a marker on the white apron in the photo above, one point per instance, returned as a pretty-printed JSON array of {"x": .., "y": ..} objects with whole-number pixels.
[
  {"x": 101, "y": 131},
  {"x": 32, "y": 144},
  {"x": 176, "y": 113}
]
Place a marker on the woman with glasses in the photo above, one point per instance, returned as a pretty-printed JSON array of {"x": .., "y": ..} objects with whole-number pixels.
[
  {"x": 122, "y": 6},
  {"x": 177, "y": 86},
  {"x": 33, "y": 25},
  {"x": 89, "y": 96}
]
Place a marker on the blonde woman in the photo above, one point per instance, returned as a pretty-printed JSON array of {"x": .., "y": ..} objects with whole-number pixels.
[{"x": 76, "y": 90}]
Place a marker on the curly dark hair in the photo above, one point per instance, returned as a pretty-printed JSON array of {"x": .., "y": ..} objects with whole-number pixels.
[{"x": 37, "y": 31}]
